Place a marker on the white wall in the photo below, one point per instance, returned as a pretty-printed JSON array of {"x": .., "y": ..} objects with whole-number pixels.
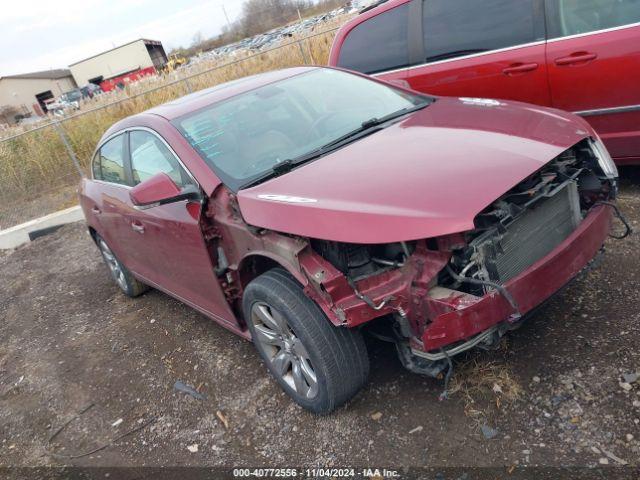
[
  {"x": 112, "y": 63},
  {"x": 22, "y": 91}
]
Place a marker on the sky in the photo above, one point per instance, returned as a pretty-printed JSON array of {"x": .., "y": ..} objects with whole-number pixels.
[{"x": 44, "y": 34}]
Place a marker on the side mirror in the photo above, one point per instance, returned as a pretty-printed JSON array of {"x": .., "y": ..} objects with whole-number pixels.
[{"x": 161, "y": 189}]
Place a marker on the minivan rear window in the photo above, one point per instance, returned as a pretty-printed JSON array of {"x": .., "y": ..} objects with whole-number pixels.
[
  {"x": 454, "y": 28},
  {"x": 575, "y": 17},
  {"x": 379, "y": 44}
]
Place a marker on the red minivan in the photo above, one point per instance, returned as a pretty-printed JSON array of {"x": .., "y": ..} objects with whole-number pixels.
[{"x": 582, "y": 56}]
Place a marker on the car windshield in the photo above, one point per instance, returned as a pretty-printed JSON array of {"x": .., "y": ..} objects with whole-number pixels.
[{"x": 250, "y": 134}]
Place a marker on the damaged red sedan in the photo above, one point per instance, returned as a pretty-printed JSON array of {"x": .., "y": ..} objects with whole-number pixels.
[{"x": 298, "y": 208}]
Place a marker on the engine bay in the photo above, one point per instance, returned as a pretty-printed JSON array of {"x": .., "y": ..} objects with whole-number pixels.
[{"x": 529, "y": 221}]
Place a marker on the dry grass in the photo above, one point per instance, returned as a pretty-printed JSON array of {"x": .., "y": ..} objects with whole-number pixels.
[
  {"x": 36, "y": 164},
  {"x": 484, "y": 387}
]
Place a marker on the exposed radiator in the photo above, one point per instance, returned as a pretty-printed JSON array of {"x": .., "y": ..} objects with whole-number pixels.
[{"x": 531, "y": 236}]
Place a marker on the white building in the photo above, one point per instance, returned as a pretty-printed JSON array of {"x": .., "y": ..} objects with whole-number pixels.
[
  {"x": 27, "y": 92},
  {"x": 142, "y": 54}
]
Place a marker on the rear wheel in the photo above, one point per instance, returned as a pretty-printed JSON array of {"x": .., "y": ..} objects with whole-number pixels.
[
  {"x": 320, "y": 366},
  {"x": 131, "y": 286}
]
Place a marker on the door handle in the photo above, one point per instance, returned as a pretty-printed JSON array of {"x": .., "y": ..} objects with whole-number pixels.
[
  {"x": 517, "y": 68},
  {"x": 578, "y": 57},
  {"x": 137, "y": 227},
  {"x": 96, "y": 210}
]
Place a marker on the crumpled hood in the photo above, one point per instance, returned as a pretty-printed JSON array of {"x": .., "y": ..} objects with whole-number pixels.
[{"x": 426, "y": 176}]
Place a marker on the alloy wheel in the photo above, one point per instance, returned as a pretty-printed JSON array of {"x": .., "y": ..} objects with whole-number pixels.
[
  {"x": 288, "y": 356},
  {"x": 114, "y": 265}
]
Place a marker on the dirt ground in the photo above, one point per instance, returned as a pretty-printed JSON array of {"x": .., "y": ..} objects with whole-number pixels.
[{"x": 554, "y": 394}]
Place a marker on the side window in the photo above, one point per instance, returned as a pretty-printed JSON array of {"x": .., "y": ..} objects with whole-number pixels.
[
  {"x": 453, "y": 28},
  {"x": 574, "y": 17},
  {"x": 149, "y": 156},
  {"x": 111, "y": 161},
  {"x": 380, "y": 43}
]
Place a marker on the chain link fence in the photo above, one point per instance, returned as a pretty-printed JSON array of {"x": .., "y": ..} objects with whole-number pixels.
[{"x": 40, "y": 169}]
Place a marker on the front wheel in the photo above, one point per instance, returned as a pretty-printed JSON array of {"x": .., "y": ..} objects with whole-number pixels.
[
  {"x": 319, "y": 365},
  {"x": 131, "y": 286}
]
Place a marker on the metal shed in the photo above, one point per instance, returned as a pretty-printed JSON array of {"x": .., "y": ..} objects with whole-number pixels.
[{"x": 124, "y": 63}]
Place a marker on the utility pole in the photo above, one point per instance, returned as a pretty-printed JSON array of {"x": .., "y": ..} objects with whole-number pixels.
[
  {"x": 224, "y": 10},
  {"x": 308, "y": 42}
]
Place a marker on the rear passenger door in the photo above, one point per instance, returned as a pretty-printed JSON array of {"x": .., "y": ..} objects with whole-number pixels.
[
  {"x": 110, "y": 194},
  {"x": 593, "y": 56},
  {"x": 489, "y": 48}
]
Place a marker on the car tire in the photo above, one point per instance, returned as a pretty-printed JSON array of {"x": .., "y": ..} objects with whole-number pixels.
[
  {"x": 298, "y": 344},
  {"x": 131, "y": 286}
]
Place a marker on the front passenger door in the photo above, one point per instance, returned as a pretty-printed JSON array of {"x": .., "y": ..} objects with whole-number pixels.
[{"x": 170, "y": 250}]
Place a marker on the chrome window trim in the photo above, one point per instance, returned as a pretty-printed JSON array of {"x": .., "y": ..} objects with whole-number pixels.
[
  {"x": 506, "y": 49},
  {"x": 595, "y": 32},
  {"x": 145, "y": 129},
  {"x": 113, "y": 184},
  {"x": 608, "y": 111},
  {"x": 463, "y": 57}
]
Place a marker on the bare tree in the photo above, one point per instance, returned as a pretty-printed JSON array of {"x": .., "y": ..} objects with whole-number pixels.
[
  {"x": 197, "y": 40},
  {"x": 259, "y": 16}
]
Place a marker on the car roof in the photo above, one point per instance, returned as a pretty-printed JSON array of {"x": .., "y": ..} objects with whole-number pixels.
[{"x": 202, "y": 98}]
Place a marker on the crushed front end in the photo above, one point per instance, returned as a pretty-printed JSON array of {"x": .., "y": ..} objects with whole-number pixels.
[{"x": 441, "y": 296}]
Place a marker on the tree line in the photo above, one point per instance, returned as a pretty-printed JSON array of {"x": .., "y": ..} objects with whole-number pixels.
[{"x": 259, "y": 16}]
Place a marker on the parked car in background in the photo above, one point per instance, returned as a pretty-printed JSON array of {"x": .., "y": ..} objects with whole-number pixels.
[
  {"x": 71, "y": 96},
  {"x": 298, "y": 206},
  {"x": 61, "y": 106},
  {"x": 90, "y": 90},
  {"x": 582, "y": 56}
]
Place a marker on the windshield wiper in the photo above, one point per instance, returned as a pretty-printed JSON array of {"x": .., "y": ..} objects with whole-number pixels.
[
  {"x": 372, "y": 125},
  {"x": 366, "y": 128},
  {"x": 283, "y": 167},
  {"x": 456, "y": 53}
]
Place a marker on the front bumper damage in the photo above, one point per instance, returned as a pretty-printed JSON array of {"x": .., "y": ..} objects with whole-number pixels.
[
  {"x": 459, "y": 317},
  {"x": 447, "y": 294},
  {"x": 438, "y": 322}
]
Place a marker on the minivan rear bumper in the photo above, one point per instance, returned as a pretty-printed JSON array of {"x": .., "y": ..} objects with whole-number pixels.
[{"x": 467, "y": 317}]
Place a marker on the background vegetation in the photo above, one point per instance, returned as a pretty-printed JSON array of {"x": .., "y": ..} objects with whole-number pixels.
[
  {"x": 37, "y": 176},
  {"x": 259, "y": 16}
]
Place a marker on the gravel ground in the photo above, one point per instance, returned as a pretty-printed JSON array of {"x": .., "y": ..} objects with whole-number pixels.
[{"x": 81, "y": 365}]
